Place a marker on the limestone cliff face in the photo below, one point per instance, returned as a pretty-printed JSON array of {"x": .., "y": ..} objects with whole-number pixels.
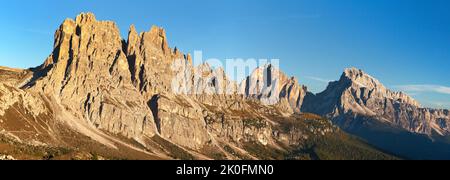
[
  {"x": 88, "y": 74},
  {"x": 179, "y": 94},
  {"x": 151, "y": 60},
  {"x": 359, "y": 94},
  {"x": 271, "y": 86},
  {"x": 165, "y": 78},
  {"x": 140, "y": 98}
]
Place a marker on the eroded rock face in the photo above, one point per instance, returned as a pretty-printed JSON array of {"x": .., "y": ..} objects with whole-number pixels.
[
  {"x": 88, "y": 73},
  {"x": 180, "y": 121},
  {"x": 95, "y": 86},
  {"x": 371, "y": 87},
  {"x": 151, "y": 60},
  {"x": 172, "y": 86},
  {"x": 240, "y": 129},
  {"x": 128, "y": 88},
  {"x": 357, "y": 93},
  {"x": 270, "y": 86}
]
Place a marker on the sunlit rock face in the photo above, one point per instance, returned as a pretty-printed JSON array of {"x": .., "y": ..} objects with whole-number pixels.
[
  {"x": 359, "y": 94},
  {"x": 271, "y": 86},
  {"x": 88, "y": 73},
  {"x": 139, "y": 98}
]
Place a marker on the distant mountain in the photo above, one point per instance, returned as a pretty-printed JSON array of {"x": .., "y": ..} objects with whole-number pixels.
[
  {"x": 271, "y": 86},
  {"x": 361, "y": 105},
  {"x": 98, "y": 96}
]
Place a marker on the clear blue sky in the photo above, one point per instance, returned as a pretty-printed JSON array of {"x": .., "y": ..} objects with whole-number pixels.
[{"x": 403, "y": 43}]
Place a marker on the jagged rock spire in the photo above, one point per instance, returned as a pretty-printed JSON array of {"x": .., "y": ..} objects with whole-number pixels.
[
  {"x": 89, "y": 73},
  {"x": 271, "y": 85}
]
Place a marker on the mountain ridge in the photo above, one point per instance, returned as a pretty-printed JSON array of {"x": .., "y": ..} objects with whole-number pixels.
[
  {"x": 357, "y": 93},
  {"x": 139, "y": 95}
]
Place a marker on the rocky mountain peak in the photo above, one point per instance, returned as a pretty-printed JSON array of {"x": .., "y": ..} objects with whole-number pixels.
[
  {"x": 359, "y": 80},
  {"x": 353, "y": 70},
  {"x": 133, "y": 38},
  {"x": 89, "y": 73},
  {"x": 156, "y": 37},
  {"x": 151, "y": 60},
  {"x": 82, "y": 36},
  {"x": 271, "y": 86},
  {"x": 85, "y": 18},
  {"x": 141, "y": 95},
  {"x": 359, "y": 94}
]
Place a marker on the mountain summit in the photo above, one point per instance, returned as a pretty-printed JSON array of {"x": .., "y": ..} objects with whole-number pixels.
[
  {"x": 359, "y": 94},
  {"x": 98, "y": 94},
  {"x": 360, "y": 104}
]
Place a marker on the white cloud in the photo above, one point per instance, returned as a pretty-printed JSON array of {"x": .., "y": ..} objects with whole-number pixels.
[
  {"x": 424, "y": 88},
  {"x": 318, "y": 79}
]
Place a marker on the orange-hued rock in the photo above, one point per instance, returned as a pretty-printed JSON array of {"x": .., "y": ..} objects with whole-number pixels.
[
  {"x": 99, "y": 94},
  {"x": 89, "y": 74},
  {"x": 140, "y": 89}
]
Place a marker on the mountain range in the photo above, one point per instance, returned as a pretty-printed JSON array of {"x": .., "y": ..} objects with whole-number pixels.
[{"x": 98, "y": 96}]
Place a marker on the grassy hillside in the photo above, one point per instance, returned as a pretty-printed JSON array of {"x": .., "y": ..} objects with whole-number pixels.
[
  {"x": 340, "y": 147},
  {"x": 335, "y": 145}
]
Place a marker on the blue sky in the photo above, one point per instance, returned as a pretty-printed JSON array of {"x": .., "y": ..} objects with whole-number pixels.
[{"x": 403, "y": 43}]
